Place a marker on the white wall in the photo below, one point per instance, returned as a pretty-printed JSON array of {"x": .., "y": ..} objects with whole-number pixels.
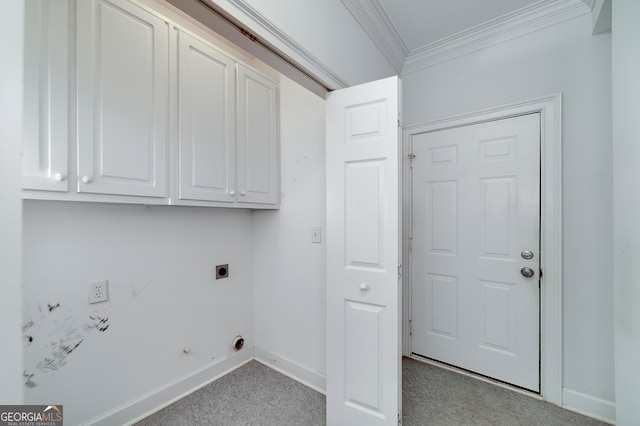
[
  {"x": 289, "y": 270},
  {"x": 565, "y": 58},
  {"x": 626, "y": 161},
  {"x": 160, "y": 263},
  {"x": 327, "y": 31},
  {"x": 11, "y": 52}
]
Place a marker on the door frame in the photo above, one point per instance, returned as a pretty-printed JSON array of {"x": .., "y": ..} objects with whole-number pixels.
[{"x": 550, "y": 109}]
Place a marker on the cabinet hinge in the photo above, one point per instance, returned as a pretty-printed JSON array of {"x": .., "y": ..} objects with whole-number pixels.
[
  {"x": 410, "y": 327},
  {"x": 399, "y": 271},
  {"x": 399, "y": 417},
  {"x": 410, "y": 244}
]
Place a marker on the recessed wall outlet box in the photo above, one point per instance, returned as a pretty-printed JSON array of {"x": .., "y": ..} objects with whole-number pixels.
[
  {"x": 98, "y": 291},
  {"x": 222, "y": 271},
  {"x": 316, "y": 234}
]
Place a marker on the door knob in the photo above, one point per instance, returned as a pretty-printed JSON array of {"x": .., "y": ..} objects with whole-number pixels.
[{"x": 527, "y": 272}]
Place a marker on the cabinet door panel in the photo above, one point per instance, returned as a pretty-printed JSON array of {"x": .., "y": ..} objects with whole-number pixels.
[
  {"x": 45, "y": 144},
  {"x": 122, "y": 78},
  {"x": 257, "y": 139},
  {"x": 206, "y": 116}
]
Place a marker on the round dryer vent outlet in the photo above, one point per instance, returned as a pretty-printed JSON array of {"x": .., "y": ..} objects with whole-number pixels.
[{"x": 238, "y": 343}]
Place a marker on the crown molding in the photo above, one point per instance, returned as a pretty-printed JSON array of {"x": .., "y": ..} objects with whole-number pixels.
[
  {"x": 373, "y": 19},
  {"x": 375, "y": 22},
  {"x": 589, "y": 3},
  {"x": 520, "y": 22},
  {"x": 262, "y": 30}
]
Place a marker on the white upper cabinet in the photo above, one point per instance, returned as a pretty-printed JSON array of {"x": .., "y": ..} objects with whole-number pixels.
[
  {"x": 122, "y": 99},
  {"x": 126, "y": 105},
  {"x": 206, "y": 122},
  {"x": 44, "y": 147},
  {"x": 258, "y": 156}
]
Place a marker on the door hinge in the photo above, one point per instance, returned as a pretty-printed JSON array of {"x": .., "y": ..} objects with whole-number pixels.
[
  {"x": 411, "y": 157},
  {"x": 540, "y": 279}
]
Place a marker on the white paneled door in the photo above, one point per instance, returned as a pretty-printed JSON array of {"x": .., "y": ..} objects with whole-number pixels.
[
  {"x": 44, "y": 145},
  {"x": 475, "y": 248},
  {"x": 123, "y": 85},
  {"x": 363, "y": 303},
  {"x": 257, "y": 138},
  {"x": 206, "y": 117}
]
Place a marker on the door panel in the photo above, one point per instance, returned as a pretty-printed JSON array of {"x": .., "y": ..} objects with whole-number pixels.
[
  {"x": 475, "y": 209},
  {"x": 363, "y": 337},
  {"x": 45, "y": 144},
  {"x": 206, "y": 116},
  {"x": 122, "y": 77},
  {"x": 257, "y": 138},
  {"x": 363, "y": 304},
  {"x": 365, "y": 200}
]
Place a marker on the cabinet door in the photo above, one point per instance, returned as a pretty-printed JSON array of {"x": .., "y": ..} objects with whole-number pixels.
[
  {"x": 45, "y": 144},
  {"x": 258, "y": 155},
  {"x": 122, "y": 78},
  {"x": 206, "y": 121}
]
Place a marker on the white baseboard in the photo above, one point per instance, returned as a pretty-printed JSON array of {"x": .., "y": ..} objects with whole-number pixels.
[
  {"x": 156, "y": 400},
  {"x": 312, "y": 379},
  {"x": 589, "y": 406}
]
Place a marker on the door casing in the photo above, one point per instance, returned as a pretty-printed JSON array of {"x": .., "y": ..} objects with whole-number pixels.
[{"x": 550, "y": 108}]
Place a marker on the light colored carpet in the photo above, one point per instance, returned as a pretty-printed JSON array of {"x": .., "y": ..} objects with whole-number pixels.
[
  {"x": 435, "y": 396},
  {"x": 252, "y": 395},
  {"x": 257, "y": 395}
]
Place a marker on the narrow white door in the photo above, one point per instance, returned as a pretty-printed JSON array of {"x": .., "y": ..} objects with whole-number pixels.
[
  {"x": 122, "y": 84},
  {"x": 206, "y": 122},
  {"x": 363, "y": 303},
  {"x": 476, "y": 218},
  {"x": 44, "y": 145},
  {"x": 257, "y": 138}
]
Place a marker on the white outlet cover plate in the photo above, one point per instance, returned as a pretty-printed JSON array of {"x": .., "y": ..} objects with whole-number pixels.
[{"x": 98, "y": 291}]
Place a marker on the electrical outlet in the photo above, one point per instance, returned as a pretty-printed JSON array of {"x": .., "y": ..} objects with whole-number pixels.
[{"x": 98, "y": 291}]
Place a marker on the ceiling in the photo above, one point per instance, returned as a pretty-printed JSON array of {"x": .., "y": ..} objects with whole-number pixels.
[{"x": 422, "y": 22}]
